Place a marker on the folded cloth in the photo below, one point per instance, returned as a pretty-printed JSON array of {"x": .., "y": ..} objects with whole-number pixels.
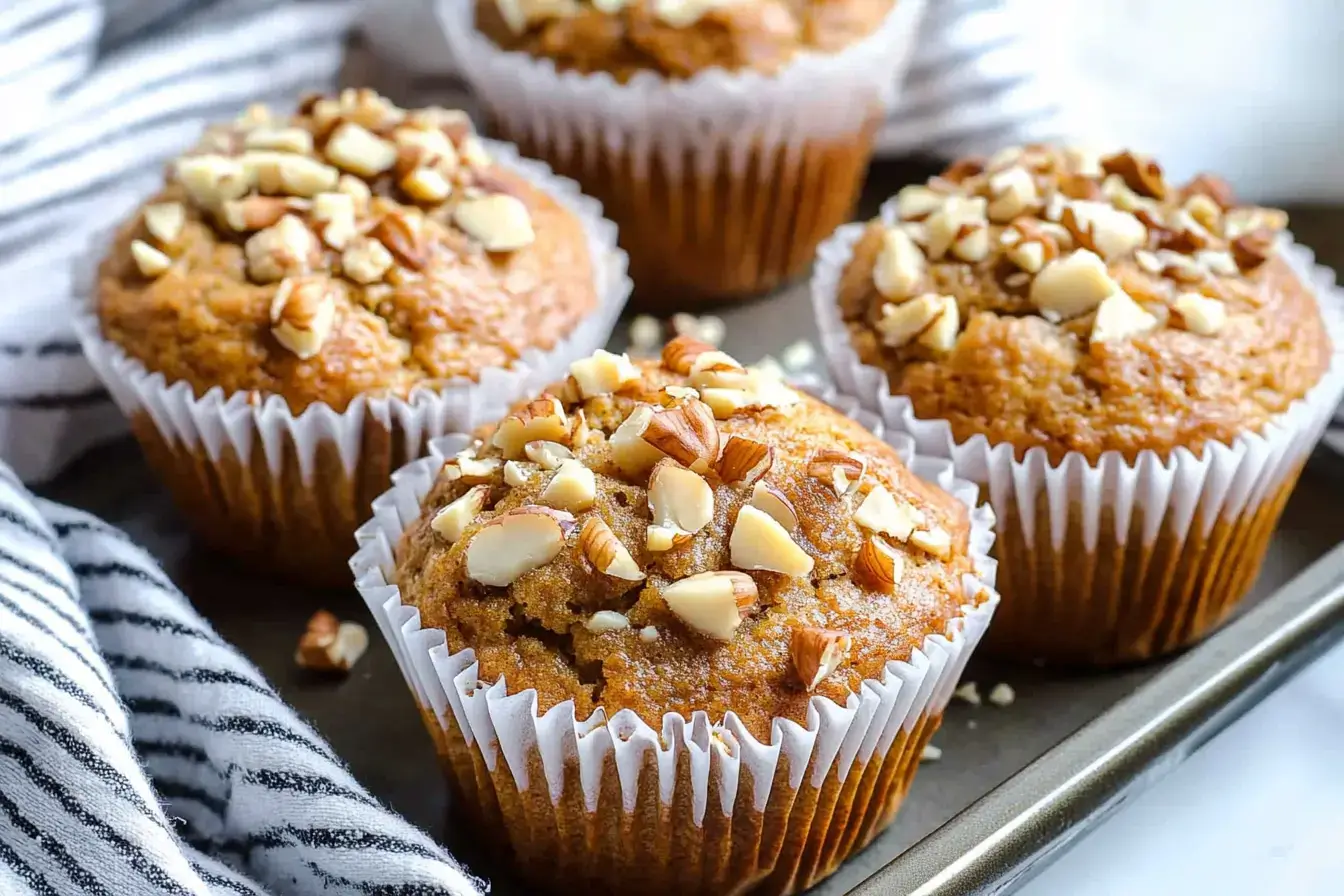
[{"x": 141, "y": 753}]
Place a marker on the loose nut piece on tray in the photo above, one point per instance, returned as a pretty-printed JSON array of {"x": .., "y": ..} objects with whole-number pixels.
[{"x": 329, "y": 645}]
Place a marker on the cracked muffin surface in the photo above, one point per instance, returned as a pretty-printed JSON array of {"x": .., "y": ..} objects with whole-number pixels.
[
  {"x": 354, "y": 248},
  {"x": 680, "y": 537}
]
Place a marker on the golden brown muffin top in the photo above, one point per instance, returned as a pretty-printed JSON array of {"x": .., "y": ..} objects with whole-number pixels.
[
  {"x": 356, "y": 248},
  {"x": 681, "y": 537},
  {"x": 1054, "y": 298},
  {"x": 677, "y": 38}
]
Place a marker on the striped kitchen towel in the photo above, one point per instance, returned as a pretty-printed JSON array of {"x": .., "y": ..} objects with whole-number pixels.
[{"x": 140, "y": 753}]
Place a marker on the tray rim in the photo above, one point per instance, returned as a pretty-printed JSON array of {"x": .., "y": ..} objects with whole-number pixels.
[{"x": 1011, "y": 833}]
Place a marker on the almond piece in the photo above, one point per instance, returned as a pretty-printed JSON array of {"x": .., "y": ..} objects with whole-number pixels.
[
  {"x": 516, "y": 474},
  {"x": 841, "y": 470},
  {"x": 426, "y": 185},
  {"x": 711, "y": 365},
  {"x": 916, "y": 202},
  {"x": 164, "y": 221},
  {"x": 1072, "y": 285},
  {"x": 1205, "y": 211},
  {"x": 758, "y": 542},
  {"x": 303, "y": 313},
  {"x": 936, "y": 541},
  {"x": 606, "y": 553},
  {"x": 678, "y": 498},
  {"x": 880, "y": 512},
  {"x": 902, "y": 324},
  {"x": 1012, "y": 192},
  {"x": 687, "y": 433},
  {"x": 573, "y": 487},
  {"x": 254, "y": 212},
  {"x": 149, "y": 260},
  {"x": 549, "y": 455},
  {"x": 212, "y": 179},
  {"x": 680, "y": 393},
  {"x": 365, "y": 260},
  {"x": 500, "y": 223},
  {"x": 817, "y": 652},
  {"x": 279, "y": 251},
  {"x": 1140, "y": 174},
  {"x": 602, "y": 373},
  {"x": 403, "y": 235},
  {"x": 1119, "y": 317},
  {"x": 878, "y": 565},
  {"x": 770, "y": 500},
  {"x": 1200, "y": 314},
  {"x": 516, "y": 542},
  {"x": 542, "y": 419},
  {"x": 899, "y": 265},
  {"x": 680, "y": 353},
  {"x": 712, "y": 603},
  {"x": 295, "y": 140},
  {"x": 453, "y": 519},
  {"x": 359, "y": 151},
  {"x": 329, "y": 645},
  {"x": 1104, "y": 229},
  {"x": 470, "y": 468},
  {"x": 745, "y": 461},
  {"x": 658, "y": 539},
  {"x": 606, "y": 621},
  {"x": 941, "y": 335},
  {"x": 1031, "y": 247},
  {"x": 1214, "y": 187},
  {"x": 1253, "y": 248},
  {"x": 281, "y": 172},
  {"x": 632, "y": 454},
  {"x": 954, "y": 227}
]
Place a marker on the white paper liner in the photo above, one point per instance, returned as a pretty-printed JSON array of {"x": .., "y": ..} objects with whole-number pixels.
[
  {"x": 817, "y": 95},
  {"x": 509, "y": 726},
  {"x": 1222, "y": 482},
  {"x": 217, "y": 421}
]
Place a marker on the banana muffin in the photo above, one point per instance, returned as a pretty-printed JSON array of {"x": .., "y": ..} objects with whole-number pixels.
[
  {"x": 691, "y": 538},
  {"x": 352, "y": 280},
  {"x": 708, "y": 130},
  {"x": 1095, "y": 344}
]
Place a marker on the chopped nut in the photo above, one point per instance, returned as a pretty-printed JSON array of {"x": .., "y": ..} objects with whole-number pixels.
[
  {"x": 941, "y": 335},
  {"x": 606, "y": 553},
  {"x": 1214, "y": 187},
  {"x": 817, "y": 652},
  {"x": 968, "y": 692},
  {"x": 963, "y": 169},
  {"x": 302, "y": 314},
  {"x": 1072, "y": 285},
  {"x": 631, "y": 453},
  {"x": 681, "y": 393},
  {"x": 548, "y": 455},
  {"x": 426, "y": 185},
  {"x": 1119, "y": 317},
  {"x": 542, "y": 419},
  {"x": 365, "y": 260},
  {"x": 357, "y": 150},
  {"x": 758, "y": 542},
  {"x": 451, "y": 521},
  {"x": 658, "y": 539},
  {"x": 472, "y": 151},
  {"x": 1083, "y": 161},
  {"x": 745, "y": 461},
  {"x": 1252, "y": 248},
  {"x": 770, "y": 500},
  {"x": 1182, "y": 233},
  {"x": 1002, "y": 694},
  {"x": 841, "y": 470},
  {"x": 645, "y": 333},
  {"x": 516, "y": 542},
  {"x": 936, "y": 541},
  {"x": 337, "y": 211},
  {"x": 164, "y": 221},
  {"x": 1216, "y": 261},
  {"x": 1076, "y": 186},
  {"x": 878, "y": 565},
  {"x": 500, "y": 223},
  {"x": 1148, "y": 261},
  {"x": 930, "y": 754},
  {"x": 603, "y": 372},
  {"x": 648, "y": 634},
  {"x": 280, "y": 172},
  {"x": 1205, "y": 212},
  {"x": 1103, "y": 229},
  {"x": 1032, "y": 247},
  {"x": 470, "y": 468},
  {"x": 678, "y": 498},
  {"x": 212, "y": 179},
  {"x": 254, "y": 212},
  {"x": 515, "y": 474},
  {"x": 357, "y": 190},
  {"x": 404, "y": 236},
  {"x": 295, "y": 140},
  {"x": 1013, "y": 192},
  {"x": 904, "y": 323},
  {"x": 279, "y": 251},
  {"x": 329, "y": 645},
  {"x": 606, "y": 621},
  {"x": 881, "y": 512},
  {"x": 687, "y": 433},
  {"x": 712, "y": 603},
  {"x": 899, "y": 265},
  {"x": 916, "y": 202},
  {"x": 1140, "y": 174},
  {"x": 1200, "y": 314},
  {"x": 711, "y": 365},
  {"x": 680, "y": 353},
  {"x": 960, "y": 227},
  {"x": 573, "y": 487},
  {"x": 149, "y": 260}
]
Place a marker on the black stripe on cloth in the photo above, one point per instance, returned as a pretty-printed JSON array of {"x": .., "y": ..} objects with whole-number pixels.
[
  {"x": 56, "y": 402},
  {"x": 265, "y": 728},
  {"x": 74, "y": 622},
  {"x": 336, "y": 838},
  {"x": 56, "y": 677},
  {"x": 134, "y": 856},
  {"x": 42, "y": 350},
  {"x": 174, "y": 790},
  {"x": 174, "y": 748},
  {"x": 159, "y": 624},
  {"x": 335, "y": 881},
  {"x": 80, "y": 751},
  {"x": 222, "y": 882},
  {"x": 152, "y": 706},
  {"x": 23, "y": 524},
  {"x": 196, "y": 675},
  {"x": 19, "y": 613},
  {"x": 35, "y": 881},
  {"x": 87, "y": 883},
  {"x": 309, "y": 785},
  {"x": 38, "y": 573},
  {"x": 110, "y": 568},
  {"x": 63, "y": 530}
]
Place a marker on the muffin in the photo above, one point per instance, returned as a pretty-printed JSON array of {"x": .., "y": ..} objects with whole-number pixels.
[
  {"x": 710, "y": 131},
  {"x": 677, "y": 624},
  {"x": 1134, "y": 370},
  {"x": 309, "y": 300}
]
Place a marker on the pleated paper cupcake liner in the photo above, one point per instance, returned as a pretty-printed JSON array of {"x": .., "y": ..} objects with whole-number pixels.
[
  {"x": 286, "y": 491},
  {"x": 1115, "y": 561},
  {"x": 675, "y": 804},
  {"x": 722, "y": 183}
]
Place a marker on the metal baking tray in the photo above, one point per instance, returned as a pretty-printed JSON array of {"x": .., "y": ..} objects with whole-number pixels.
[{"x": 1014, "y": 784}]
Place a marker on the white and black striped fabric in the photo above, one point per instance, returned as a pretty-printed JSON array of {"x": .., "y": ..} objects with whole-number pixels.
[{"x": 139, "y": 753}]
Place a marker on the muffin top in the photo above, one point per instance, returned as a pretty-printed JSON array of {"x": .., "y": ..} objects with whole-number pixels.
[
  {"x": 355, "y": 248},
  {"x": 1054, "y": 298},
  {"x": 683, "y": 536},
  {"x": 676, "y": 38}
]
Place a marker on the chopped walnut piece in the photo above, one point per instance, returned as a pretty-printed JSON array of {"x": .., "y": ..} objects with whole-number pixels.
[
  {"x": 500, "y": 223},
  {"x": 605, "y": 552},
  {"x": 1140, "y": 174},
  {"x": 303, "y": 313},
  {"x": 712, "y": 603},
  {"x": 758, "y": 542},
  {"x": 329, "y": 645},
  {"x": 1031, "y": 246},
  {"x": 541, "y": 419},
  {"x": 818, "y": 652},
  {"x": 516, "y": 542},
  {"x": 680, "y": 353},
  {"x": 1252, "y": 248}
]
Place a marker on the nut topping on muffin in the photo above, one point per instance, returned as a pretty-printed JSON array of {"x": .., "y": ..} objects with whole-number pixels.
[{"x": 817, "y": 653}]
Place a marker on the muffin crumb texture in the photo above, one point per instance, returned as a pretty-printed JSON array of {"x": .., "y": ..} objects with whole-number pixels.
[
  {"x": 1077, "y": 302},
  {"x": 676, "y": 38},
  {"x": 354, "y": 248},
  {"x": 681, "y": 536}
]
